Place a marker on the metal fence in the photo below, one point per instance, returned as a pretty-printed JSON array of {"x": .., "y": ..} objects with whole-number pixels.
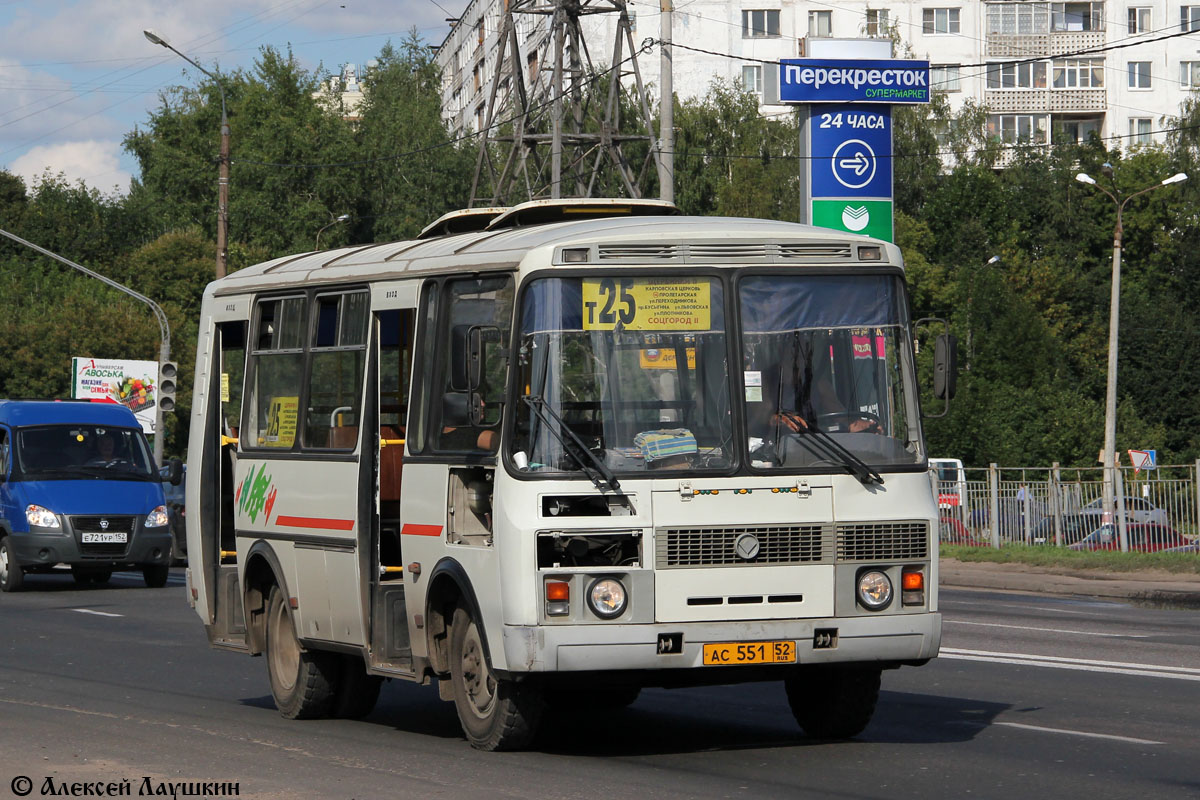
[{"x": 1153, "y": 510}]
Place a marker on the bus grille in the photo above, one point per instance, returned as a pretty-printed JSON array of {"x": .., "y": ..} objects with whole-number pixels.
[
  {"x": 882, "y": 541},
  {"x": 706, "y": 547}
]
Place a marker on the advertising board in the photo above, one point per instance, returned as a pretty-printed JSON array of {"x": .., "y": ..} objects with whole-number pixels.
[{"x": 130, "y": 383}]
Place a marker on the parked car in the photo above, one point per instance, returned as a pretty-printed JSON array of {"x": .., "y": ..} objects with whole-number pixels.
[
  {"x": 78, "y": 486},
  {"x": 176, "y": 510},
  {"x": 1074, "y": 528},
  {"x": 1191, "y": 547},
  {"x": 1143, "y": 537},
  {"x": 1137, "y": 509}
]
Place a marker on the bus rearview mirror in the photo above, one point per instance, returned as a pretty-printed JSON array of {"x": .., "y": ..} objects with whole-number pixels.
[{"x": 945, "y": 366}]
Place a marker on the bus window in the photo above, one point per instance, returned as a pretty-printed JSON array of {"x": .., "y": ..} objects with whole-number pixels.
[
  {"x": 395, "y": 366},
  {"x": 476, "y": 302},
  {"x": 339, "y": 356},
  {"x": 233, "y": 373},
  {"x": 277, "y": 369}
]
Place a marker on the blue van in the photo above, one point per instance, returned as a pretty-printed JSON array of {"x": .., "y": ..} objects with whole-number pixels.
[{"x": 78, "y": 486}]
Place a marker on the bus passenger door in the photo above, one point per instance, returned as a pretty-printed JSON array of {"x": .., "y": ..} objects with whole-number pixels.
[
  {"x": 211, "y": 486},
  {"x": 393, "y": 343}
]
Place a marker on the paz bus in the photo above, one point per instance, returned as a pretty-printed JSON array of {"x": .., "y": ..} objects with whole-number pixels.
[{"x": 548, "y": 455}]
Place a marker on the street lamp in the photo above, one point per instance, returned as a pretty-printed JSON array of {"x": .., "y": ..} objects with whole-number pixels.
[
  {"x": 164, "y": 328},
  {"x": 1110, "y": 394},
  {"x": 341, "y": 218},
  {"x": 991, "y": 262},
  {"x": 223, "y": 173}
]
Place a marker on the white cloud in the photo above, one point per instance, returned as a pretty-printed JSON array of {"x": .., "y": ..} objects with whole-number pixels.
[{"x": 94, "y": 162}]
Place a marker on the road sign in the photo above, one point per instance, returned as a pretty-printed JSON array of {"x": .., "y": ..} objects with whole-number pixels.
[
  {"x": 851, "y": 151},
  {"x": 1143, "y": 459},
  {"x": 868, "y": 217},
  {"x": 823, "y": 80}
]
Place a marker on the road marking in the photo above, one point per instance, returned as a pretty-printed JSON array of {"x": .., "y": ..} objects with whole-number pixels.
[
  {"x": 1048, "y": 630},
  {"x": 1080, "y": 664},
  {"x": 97, "y": 613},
  {"x": 1068, "y": 732}
]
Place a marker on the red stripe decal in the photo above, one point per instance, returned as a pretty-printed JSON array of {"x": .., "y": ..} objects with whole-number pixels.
[
  {"x": 316, "y": 522},
  {"x": 410, "y": 529}
]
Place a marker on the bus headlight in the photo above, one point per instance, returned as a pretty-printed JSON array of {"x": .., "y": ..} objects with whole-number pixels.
[
  {"x": 39, "y": 517},
  {"x": 608, "y": 598},
  {"x": 874, "y": 590}
]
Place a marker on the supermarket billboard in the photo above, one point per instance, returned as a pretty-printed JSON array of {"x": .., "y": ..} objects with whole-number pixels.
[{"x": 130, "y": 383}]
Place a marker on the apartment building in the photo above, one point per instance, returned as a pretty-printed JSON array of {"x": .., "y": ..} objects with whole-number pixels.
[{"x": 1047, "y": 71}]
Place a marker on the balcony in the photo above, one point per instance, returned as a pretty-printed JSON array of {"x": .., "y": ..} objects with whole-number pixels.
[
  {"x": 1024, "y": 45},
  {"x": 1032, "y": 100}
]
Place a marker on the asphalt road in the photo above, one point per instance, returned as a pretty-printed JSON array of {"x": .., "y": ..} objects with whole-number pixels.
[{"x": 1034, "y": 697}]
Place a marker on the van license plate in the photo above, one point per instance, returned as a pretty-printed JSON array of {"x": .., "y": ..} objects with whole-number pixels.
[
  {"x": 103, "y": 538},
  {"x": 731, "y": 653}
]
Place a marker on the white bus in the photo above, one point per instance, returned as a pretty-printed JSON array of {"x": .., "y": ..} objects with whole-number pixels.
[{"x": 555, "y": 453}]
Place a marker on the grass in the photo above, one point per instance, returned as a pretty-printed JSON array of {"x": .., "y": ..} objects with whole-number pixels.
[{"x": 1060, "y": 558}]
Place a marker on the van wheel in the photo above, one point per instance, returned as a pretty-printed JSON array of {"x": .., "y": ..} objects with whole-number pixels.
[
  {"x": 11, "y": 574},
  {"x": 155, "y": 575},
  {"x": 357, "y": 691},
  {"x": 302, "y": 681},
  {"x": 496, "y": 714},
  {"x": 833, "y": 702}
]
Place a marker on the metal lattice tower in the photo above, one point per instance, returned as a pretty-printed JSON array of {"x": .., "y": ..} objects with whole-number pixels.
[{"x": 554, "y": 124}]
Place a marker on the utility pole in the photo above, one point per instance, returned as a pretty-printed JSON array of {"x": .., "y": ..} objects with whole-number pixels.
[{"x": 666, "y": 108}]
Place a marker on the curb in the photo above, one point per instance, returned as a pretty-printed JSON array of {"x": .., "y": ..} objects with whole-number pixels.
[{"x": 1159, "y": 590}]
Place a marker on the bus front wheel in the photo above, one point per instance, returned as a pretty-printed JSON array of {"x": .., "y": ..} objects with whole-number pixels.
[
  {"x": 496, "y": 714},
  {"x": 11, "y": 574},
  {"x": 833, "y": 702},
  {"x": 302, "y": 681}
]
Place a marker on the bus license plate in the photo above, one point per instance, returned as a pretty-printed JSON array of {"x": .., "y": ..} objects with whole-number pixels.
[
  {"x": 103, "y": 538},
  {"x": 730, "y": 653}
]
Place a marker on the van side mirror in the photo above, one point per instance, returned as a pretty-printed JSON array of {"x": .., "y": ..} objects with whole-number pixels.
[
  {"x": 945, "y": 366},
  {"x": 174, "y": 472}
]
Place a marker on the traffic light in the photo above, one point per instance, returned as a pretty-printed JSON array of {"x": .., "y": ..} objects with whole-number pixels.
[{"x": 167, "y": 372}]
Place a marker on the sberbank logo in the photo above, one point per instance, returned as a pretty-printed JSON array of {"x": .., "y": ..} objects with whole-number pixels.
[{"x": 855, "y": 218}]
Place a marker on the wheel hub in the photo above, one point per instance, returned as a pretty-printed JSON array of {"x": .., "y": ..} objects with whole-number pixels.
[
  {"x": 285, "y": 650},
  {"x": 477, "y": 678}
]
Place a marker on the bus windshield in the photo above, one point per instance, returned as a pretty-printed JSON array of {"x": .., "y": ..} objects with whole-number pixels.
[
  {"x": 827, "y": 375},
  {"x": 632, "y": 368}
]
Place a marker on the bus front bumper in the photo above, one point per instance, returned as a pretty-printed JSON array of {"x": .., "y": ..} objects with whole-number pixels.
[{"x": 901, "y": 638}]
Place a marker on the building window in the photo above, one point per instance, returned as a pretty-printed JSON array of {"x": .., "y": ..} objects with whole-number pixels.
[
  {"x": 1140, "y": 130},
  {"x": 820, "y": 23},
  {"x": 1139, "y": 74},
  {"x": 752, "y": 78},
  {"x": 944, "y": 78},
  {"x": 1189, "y": 74},
  {"x": 760, "y": 24},
  {"x": 940, "y": 20},
  {"x": 1139, "y": 20},
  {"x": 1189, "y": 18},
  {"x": 877, "y": 22},
  {"x": 1013, "y": 19},
  {"x": 1017, "y": 127},
  {"x": 1076, "y": 130},
  {"x": 1079, "y": 73},
  {"x": 1017, "y": 76},
  {"x": 480, "y": 116},
  {"x": 632, "y": 21},
  {"x": 1077, "y": 16}
]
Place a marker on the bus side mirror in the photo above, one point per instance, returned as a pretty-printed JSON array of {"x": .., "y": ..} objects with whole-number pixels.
[
  {"x": 174, "y": 472},
  {"x": 945, "y": 366},
  {"x": 457, "y": 409}
]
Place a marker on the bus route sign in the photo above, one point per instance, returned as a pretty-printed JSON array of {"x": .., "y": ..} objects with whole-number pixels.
[{"x": 646, "y": 305}]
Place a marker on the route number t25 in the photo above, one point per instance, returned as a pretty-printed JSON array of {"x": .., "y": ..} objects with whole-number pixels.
[{"x": 615, "y": 304}]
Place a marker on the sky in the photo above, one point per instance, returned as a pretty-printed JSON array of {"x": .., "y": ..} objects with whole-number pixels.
[{"x": 77, "y": 75}]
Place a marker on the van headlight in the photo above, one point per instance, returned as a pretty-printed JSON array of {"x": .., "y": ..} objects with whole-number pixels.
[
  {"x": 39, "y": 517},
  {"x": 874, "y": 589},
  {"x": 608, "y": 598},
  {"x": 156, "y": 518}
]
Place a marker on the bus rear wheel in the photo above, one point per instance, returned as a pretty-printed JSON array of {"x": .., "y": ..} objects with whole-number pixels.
[
  {"x": 302, "y": 681},
  {"x": 833, "y": 702},
  {"x": 496, "y": 714}
]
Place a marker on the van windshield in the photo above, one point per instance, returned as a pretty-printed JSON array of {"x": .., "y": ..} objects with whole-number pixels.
[{"x": 81, "y": 452}]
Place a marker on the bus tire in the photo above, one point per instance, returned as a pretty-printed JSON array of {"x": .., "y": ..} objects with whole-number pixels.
[
  {"x": 302, "y": 681},
  {"x": 11, "y": 574},
  {"x": 597, "y": 698},
  {"x": 155, "y": 575},
  {"x": 357, "y": 691},
  {"x": 496, "y": 714},
  {"x": 833, "y": 702}
]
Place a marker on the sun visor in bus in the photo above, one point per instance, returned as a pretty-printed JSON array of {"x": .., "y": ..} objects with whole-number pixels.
[{"x": 819, "y": 301}]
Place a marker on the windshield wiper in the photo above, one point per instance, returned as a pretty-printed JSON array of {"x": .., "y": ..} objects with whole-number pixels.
[
  {"x": 599, "y": 473},
  {"x": 858, "y": 468}
]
